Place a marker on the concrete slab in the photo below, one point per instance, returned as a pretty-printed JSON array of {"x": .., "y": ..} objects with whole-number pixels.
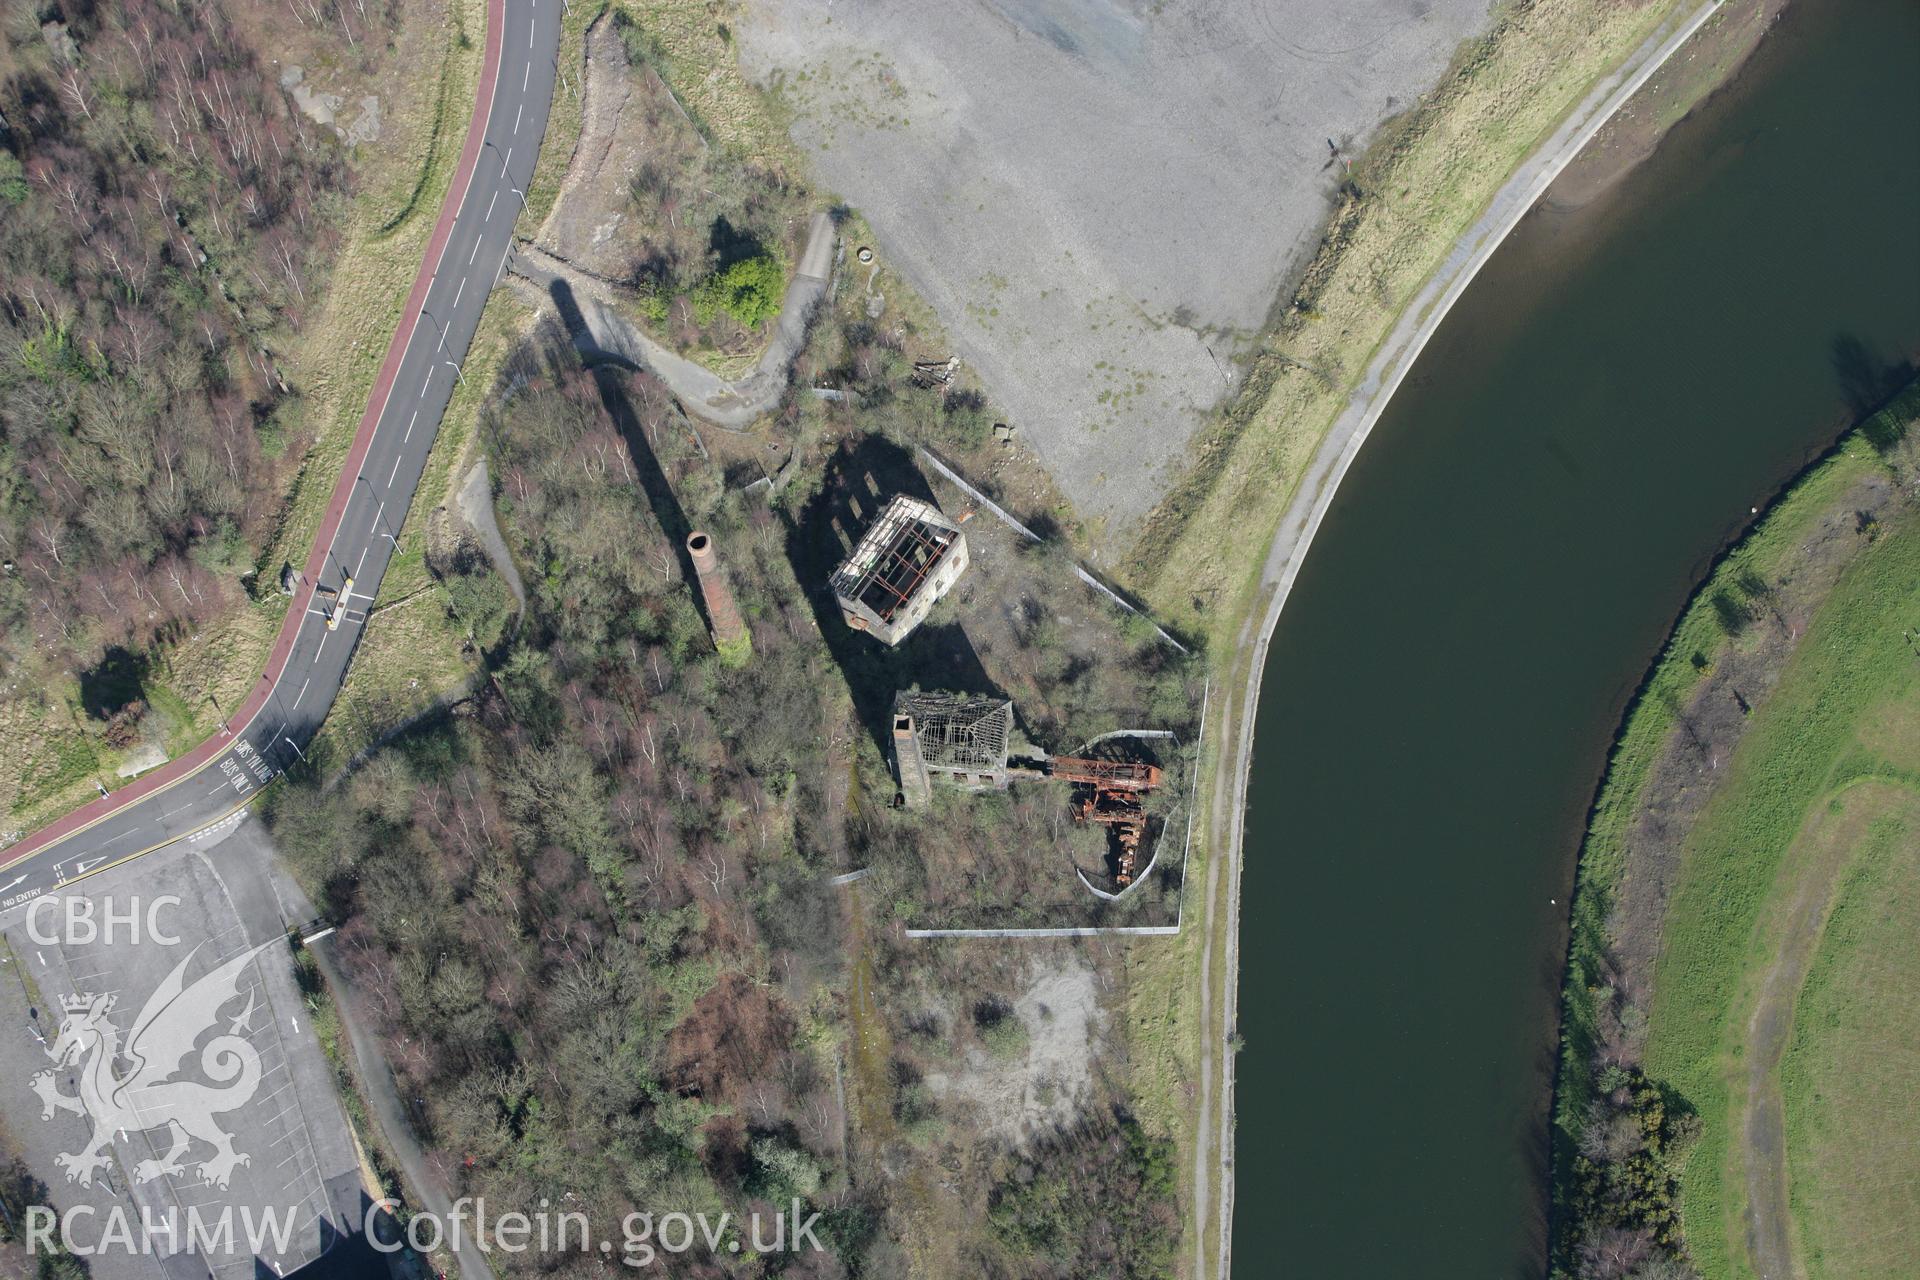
[{"x": 1100, "y": 198}]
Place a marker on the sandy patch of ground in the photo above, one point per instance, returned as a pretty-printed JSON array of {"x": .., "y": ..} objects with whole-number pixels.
[
  {"x": 330, "y": 109},
  {"x": 1043, "y": 1088},
  {"x": 1100, "y": 198}
]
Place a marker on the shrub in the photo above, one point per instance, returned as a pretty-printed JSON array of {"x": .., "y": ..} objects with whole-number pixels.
[{"x": 749, "y": 291}]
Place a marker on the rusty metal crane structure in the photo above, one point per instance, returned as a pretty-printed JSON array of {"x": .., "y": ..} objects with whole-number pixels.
[{"x": 1113, "y": 799}]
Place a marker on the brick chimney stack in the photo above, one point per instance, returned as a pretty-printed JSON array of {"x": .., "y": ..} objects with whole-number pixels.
[{"x": 723, "y": 617}]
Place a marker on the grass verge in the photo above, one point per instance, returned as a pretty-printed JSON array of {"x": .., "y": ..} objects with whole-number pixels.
[{"x": 1425, "y": 179}]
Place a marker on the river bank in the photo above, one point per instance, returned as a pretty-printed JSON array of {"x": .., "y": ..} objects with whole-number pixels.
[
  {"x": 1700, "y": 910},
  {"x": 1213, "y": 1150},
  {"x": 1409, "y": 665}
]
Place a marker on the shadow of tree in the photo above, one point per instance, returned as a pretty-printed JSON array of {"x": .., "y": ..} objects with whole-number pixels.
[
  {"x": 1867, "y": 381},
  {"x": 116, "y": 680}
]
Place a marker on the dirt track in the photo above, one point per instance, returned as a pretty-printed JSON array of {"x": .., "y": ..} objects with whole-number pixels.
[{"x": 597, "y": 322}]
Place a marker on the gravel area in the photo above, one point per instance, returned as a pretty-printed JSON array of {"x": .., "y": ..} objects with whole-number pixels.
[{"x": 1101, "y": 198}]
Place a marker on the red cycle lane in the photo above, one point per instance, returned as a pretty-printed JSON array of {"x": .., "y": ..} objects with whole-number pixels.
[{"x": 210, "y": 750}]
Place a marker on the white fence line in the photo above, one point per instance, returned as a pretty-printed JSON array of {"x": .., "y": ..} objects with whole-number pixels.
[
  {"x": 1085, "y": 931},
  {"x": 933, "y": 460}
]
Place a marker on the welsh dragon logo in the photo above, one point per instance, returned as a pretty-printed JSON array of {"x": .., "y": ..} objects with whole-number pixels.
[{"x": 145, "y": 1095}]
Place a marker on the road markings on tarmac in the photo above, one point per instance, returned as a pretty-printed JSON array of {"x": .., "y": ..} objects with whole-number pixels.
[
  {"x": 457, "y": 293},
  {"x": 490, "y": 204},
  {"x": 393, "y": 473},
  {"x": 382, "y": 510},
  {"x": 470, "y": 258},
  {"x": 84, "y": 867},
  {"x": 526, "y": 77},
  {"x": 416, "y": 413},
  {"x": 303, "y": 692},
  {"x": 516, "y": 123}
]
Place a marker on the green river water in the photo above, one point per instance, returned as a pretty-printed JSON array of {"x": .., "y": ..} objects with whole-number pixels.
[{"x": 1598, "y": 416}]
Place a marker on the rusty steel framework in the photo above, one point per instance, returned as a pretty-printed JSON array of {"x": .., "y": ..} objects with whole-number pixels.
[
  {"x": 889, "y": 567},
  {"x": 1113, "y": 797}
]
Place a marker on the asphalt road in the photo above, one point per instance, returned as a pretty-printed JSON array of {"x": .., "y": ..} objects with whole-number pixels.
[{"x": 464, "y": 261}]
